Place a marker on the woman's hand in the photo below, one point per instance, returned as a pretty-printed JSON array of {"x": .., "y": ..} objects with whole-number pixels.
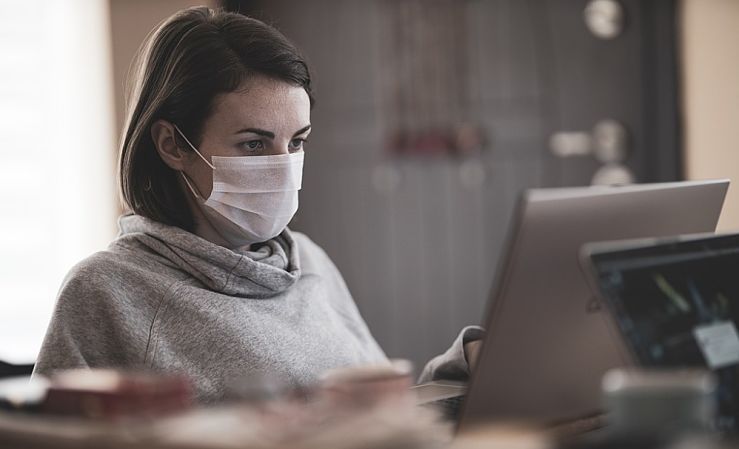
[{"x": 471, "y": 353}]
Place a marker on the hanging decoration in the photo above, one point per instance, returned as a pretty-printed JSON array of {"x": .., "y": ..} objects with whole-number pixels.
[{"x": 424, "y": 79}]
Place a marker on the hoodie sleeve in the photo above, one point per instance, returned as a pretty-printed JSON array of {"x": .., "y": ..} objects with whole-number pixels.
[{"x": 452, "y": 365}]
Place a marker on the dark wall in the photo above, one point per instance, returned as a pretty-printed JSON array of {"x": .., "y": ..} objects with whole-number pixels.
[{"x": 418, "y": 237}]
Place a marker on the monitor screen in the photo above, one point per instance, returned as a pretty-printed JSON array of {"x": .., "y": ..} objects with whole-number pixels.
[{"x": 677, "y": 305}]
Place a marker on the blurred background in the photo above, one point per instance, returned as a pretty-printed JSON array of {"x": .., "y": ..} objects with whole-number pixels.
[{"x": 431, "y": 117}]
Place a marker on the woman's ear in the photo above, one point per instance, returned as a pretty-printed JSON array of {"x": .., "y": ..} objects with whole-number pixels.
[{"x": 163, "y": 135}]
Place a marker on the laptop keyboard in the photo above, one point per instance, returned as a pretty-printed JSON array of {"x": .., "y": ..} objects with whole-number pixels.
[{"x": 449, "y": 407}]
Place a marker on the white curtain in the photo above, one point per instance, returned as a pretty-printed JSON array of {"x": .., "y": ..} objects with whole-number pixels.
[{"x": 57, "y": 157}]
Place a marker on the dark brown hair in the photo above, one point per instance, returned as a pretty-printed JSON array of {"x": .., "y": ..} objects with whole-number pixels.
[{"x": 190, "y": 58}]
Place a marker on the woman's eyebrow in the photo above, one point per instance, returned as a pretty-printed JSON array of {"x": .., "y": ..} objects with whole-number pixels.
[
  {"x": 270, "y": 134},
  {"x": 258, "y": 131},
  {"x": 301, "y": 130}
]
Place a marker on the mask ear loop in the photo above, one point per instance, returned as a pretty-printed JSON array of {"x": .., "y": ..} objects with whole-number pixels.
[
  {"x": 184, "y": 176},
  {"x": 193, "y": 147},
  {"x": 190, "y": 186}
]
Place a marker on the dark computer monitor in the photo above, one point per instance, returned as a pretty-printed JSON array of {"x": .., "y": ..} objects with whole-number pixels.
[{"x": 676, "y": 304}]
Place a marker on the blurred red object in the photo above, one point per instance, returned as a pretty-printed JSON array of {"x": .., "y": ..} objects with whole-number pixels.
[
  {"x": 110, "y": 394},
  {"x": 465, "y": 139}
]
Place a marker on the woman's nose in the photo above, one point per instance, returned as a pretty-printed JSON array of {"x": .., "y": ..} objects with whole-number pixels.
[{"x": 279, "y": 147}]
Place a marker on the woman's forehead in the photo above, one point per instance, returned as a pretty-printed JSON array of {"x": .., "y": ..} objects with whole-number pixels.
[{"x": 263, "y": 103}]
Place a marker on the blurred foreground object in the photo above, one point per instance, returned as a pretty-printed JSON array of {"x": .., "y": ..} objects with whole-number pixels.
[
  {"x": 353, "y": 407},
  {"x": 503, "y": 436},
  {"x": 368, "y": 385},
  {"x": 23, "y": 393},
  {"x": 112, "y": 394},
  {"x": 648, "y": 402}
]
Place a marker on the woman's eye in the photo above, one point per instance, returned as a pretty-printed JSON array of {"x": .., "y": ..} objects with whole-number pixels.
[
  {"x": 297, "y": 144},
  {"x": 253, "y": 145}
]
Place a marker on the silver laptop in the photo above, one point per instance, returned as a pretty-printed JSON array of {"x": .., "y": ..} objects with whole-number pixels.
[{"x": 548, "y": 342}]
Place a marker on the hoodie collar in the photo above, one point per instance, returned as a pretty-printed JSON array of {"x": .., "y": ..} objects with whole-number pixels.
[{"x": 269, "y": 270}]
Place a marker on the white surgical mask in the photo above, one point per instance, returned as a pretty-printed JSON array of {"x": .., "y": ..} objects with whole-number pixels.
[{"x": 253, "y": 197}]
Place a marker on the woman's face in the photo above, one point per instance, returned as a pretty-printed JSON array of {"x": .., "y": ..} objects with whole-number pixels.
[{"x": 263, "y": 117}]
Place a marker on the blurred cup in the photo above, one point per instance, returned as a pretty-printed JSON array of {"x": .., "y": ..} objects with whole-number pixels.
[
  {"x": 659, "y": 402},
  {"x": 368, "y": 385}
]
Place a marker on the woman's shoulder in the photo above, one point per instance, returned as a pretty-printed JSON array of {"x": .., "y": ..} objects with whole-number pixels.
[
  {"x": 113, "y": 273},
  {"x": 93, "y": 270},
  {"x": 101, "y": 316},
  {"x": 96, "y": 264},
  {"x": 110, "y": 286},
  {"x": 102, "y": 266},
  {"x": 311, "y": 254}
]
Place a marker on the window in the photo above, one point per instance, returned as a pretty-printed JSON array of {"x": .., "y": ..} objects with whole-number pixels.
[{"x": 57, "y": 150}]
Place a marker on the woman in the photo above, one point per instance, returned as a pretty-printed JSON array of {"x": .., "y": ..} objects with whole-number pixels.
[{"x": 205, "y": 278}]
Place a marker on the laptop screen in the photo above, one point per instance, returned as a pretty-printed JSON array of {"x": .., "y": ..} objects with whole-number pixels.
[{"x": 677, "y": 305}]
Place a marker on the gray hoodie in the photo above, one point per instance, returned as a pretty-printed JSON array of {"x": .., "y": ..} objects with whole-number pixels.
[{"x": 161, "y": 298}]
